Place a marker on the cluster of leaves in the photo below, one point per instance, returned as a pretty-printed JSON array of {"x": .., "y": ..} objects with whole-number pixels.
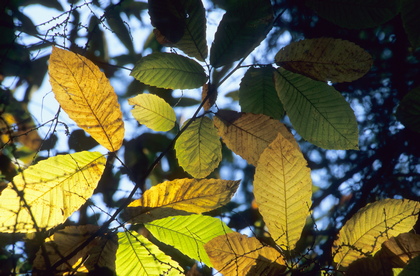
[{"x": 46, "y": 194}]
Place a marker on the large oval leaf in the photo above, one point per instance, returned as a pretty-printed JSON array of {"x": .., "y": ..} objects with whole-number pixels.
[
  {"x": 87, "y": 96},
  {"x": 50, "y": 191},
  {"x": 364, "y": 233},
  {"x": 317, "y": 111},
  {"x": 410, "y": 15},
  {"x": 283, "y": 190},
  {"x": 171, "y": 71},
  {"x": 198, "y": 148},
  {"x": 325, "y": 59}
]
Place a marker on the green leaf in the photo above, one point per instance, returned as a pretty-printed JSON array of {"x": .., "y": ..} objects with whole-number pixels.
[
  {"x": 137, "y": 256},
  {"x": 188, "y": 234},
  {"x": 119, "y": 27},
  {"x": 355, "y": 14},
  {"x": 408, "y": 111},
  {"x": 240, "y": 31},
  {"x": 318, "y": 112},
  {"x": 198, "y": 148},
  {"x": 412, "y": 268},
  {"x": 410, "y": 15},
  {"x": 171, "y": 71},
  {"x": 153, "y": 112},
  {"x": 257, "y": 93}
]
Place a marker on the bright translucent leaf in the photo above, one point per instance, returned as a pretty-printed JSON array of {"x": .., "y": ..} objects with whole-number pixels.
[
  {"x": 410, "y": 15},
  {"x": 188, "y": 234},
  {"x": 249, "y": 134},
  {"x": 364, "y": 233},
  {"x": 87, "y": 96},
  {"x": 408, "y": 111},
  {"x": 240, "y": 31},
  {"x": 198, "y": 149},
  {"x": 257, "y": 93},
  {"x": 137, "y": 256},
  {"x": 399, "y": 250},
  {"x": 171, "y": 71},
  {"x": 153, "y": 112},
  {"x": 53, "y": 189},
  {"x": 283, "y": 190},
  {"x": 325, "y": 59},
  {"x": 235, "y": 254},
  {"x": 318, "y": 112},
  {"x": 181, "y": 196},
  {"x": 99, "y": 253},
  {"x": 355, "y": 14}
]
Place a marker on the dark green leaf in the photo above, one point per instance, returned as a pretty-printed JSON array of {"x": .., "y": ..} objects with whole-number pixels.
[
  {"x": 408, "y": 111},
  {"x": 410, "y": 14},
  {"x": 119, "y": 27}
]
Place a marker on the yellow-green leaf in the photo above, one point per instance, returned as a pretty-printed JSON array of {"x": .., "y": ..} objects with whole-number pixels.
[
  {"x": 51, "y": 191},
  {"x": 249, "y": 134},
  {"x": 283, "y": 190},
  {"x": 137, "y": 256},
  {"x": 153, "y": 112},
  {"x": 198, "y": 148},
  {"x": 325, "y": 59},
  {"x": 181, "y": 196},
  {"x": 87, "y": 96},
  {"x": 234, "y": 254},
  {"x": 364, "y": 233}
]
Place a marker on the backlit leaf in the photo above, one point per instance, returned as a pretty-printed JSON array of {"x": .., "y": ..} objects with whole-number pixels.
[
  {"x": 355, "y": 14},
  {"x": 181, "y": 196},
  {"x": 167, "y": 70},
  {"x": 198, "y": 148},
  {"x": 137, "y": 256},
  {"x": 325, "y": 59},
  {"x": 410, "y": 15},
  {"x": 234, "y": 254},
  {"x": 257, "y": 93},
  {"x": 240, "y": 31},
  {"x": 364, "y": 233},
  {"x": 283, "y": 190},
  {"x": 153, "y": 112},
  {"x": 53, "y": 189},
  {"x": 249, "y": 134},
  {"x": 408, "y": 111},
  {"x": 87, "y": 96},
  {"x": 318, "y": 112},
  {"x": 188, "y": 234}
]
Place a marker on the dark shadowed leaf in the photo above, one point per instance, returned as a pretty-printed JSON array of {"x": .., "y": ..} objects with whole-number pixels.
[
  {"x": 408, "y": 111},
  {"x": 410, "y": 15}
]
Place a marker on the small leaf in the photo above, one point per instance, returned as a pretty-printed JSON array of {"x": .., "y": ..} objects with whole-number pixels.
[
  {"x": 87, "y": 96},
  {"x": 249, "y": 134},
  {"x": 137, "y": 256},
  {"x": 181, "y": 196},
  {"x": 363, "y": 234},
  {"x": 171, "y": 71},
  {"x": 153, "y": 112},
  {"x": 257, "y": 93},
  {"x": 355, "y": 14},
  {"x": 232, "y": 253},
  {"x": 283, "y": 190},
  {"x": 209, "y": 94},
  {"x": 412, "y": 268},
  {"x": 198, "y": 148},
  {"x": 325, "y": 59},
  {"x": 188, "y": 234},
  {"x": 318, "y": 112},
  {"x": 408, "y": 111},
  {"x": 410, "y": 15},
  {"x": 52, "y": 189},
  {"x": 399, "y": 250},
  {"x": 240, "y": 31}
]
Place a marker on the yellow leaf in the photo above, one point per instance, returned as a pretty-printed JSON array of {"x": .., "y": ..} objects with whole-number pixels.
[
  {"x": 181, "y": 196},
  {"x": 283, "y": 190},
  {"x": 235, "y": 254},
  {"x": 87, "y": 96},
  {"x": 198, "y": 148},
  {"x": 98, "y": 253},
  {"x": 153, "y": 112},
  {"x": 50, "y": 191},
  {"x": 364, "y": 233},
  {"x": 249, "y": 134}
]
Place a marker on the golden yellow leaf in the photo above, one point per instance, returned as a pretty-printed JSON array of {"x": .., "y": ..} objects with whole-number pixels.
[
  {"x": 181, "y": 196},
  {"x": 283, "y": 190},
  {"x": 87, "y": 96},
  {"x": 235, "y": 254},
  {"x": 50, "y": 191},
  {"x": 249, "y": 134},
  {"x": 363, "y": 234}
]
